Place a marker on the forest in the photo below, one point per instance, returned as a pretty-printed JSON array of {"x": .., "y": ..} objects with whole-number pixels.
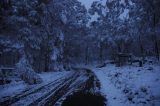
[{"x": 79, "y": 52}]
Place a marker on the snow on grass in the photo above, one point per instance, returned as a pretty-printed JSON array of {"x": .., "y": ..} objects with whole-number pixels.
[
  {"x": 114, "y": 96},
  {"x": 130, "y": 85},
  {"x": 12, "y": 88}
]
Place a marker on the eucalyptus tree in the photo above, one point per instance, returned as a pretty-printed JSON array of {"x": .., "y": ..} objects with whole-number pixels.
[
  {"x": 110, "y": 29},
  {"x": 42, "y": 28}
]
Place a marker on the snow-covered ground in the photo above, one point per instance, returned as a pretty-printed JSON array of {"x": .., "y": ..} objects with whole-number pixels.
[
  {"x": 130, "y": 85},
  {"x": 122, "y": 86},
  {"x": 17, "y": 87},
  {"x": 51, "y": 76},
  {"x": 12, "y": 89},
  {"x": 56, "y": 87}
]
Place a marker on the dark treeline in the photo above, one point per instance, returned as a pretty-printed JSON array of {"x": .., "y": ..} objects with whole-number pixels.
[{"x": 55, "y": 34}]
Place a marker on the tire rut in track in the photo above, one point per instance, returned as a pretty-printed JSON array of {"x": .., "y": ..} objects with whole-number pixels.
[
  {"x": 59, "y": 92},
  {"x": 54, "y": 92}
]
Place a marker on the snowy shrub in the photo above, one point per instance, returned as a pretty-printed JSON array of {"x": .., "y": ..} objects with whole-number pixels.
[{"x": 25, "y": 71}]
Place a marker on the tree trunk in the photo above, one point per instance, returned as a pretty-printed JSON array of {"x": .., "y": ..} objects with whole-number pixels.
[
  {"x": 46, "y": 62},
  {"x": 47, "y": 57},
  {"x": 155, "y": 42},
  {"x": 141, "y": 48},
  {"x": 101, "y": 53},
  {"x": 86, "y": 55}
]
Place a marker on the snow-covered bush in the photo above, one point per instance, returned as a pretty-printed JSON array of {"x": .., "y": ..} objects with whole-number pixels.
[{"x": 25, "y": 71}]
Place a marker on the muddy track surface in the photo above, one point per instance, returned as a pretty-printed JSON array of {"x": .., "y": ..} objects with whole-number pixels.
[{"x": 54, "y": 93}]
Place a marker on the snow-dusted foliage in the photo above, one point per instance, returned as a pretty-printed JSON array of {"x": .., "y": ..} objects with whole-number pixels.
[
  {"x": 65, "y": 32},
  {"x": 25, "y": 71},
  {"x": 126, "y": 26},
  {"x": 40, "y": 26}
]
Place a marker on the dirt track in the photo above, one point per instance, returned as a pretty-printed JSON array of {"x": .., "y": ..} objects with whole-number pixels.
[{"x": 54, "y": 93}]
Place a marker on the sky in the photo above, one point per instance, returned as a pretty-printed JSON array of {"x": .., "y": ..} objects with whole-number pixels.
[{"x": 87, "y": 3}]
